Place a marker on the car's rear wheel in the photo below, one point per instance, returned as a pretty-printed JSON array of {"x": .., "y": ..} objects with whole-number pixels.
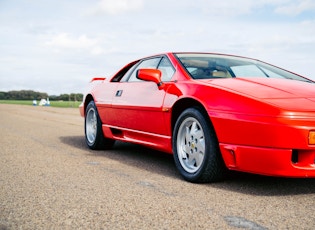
[
  {"x": 195, "y": 146},
  {"x": 94, "y": 136}
]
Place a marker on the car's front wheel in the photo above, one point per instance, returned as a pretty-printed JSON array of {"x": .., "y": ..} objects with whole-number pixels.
[
  {"x": 94, "y": 136},
  {"x": 195, "y": 146}
]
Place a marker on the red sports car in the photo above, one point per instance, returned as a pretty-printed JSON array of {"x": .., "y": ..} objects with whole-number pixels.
[{"x": 213, "y": 112}]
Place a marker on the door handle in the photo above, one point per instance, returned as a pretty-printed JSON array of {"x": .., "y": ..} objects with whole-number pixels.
[{"x": 118, "y": 93}]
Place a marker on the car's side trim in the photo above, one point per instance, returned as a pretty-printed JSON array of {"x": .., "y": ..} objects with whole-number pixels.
[{"x": 152, "y": 140}]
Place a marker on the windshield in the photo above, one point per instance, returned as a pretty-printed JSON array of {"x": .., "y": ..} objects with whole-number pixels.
[{"x": 208, "y": 66}]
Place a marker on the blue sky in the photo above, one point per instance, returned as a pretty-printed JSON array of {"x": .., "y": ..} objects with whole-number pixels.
[{"x": 58, "y": 46}]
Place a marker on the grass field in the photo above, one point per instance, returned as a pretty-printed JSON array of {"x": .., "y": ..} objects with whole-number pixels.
[{"x": 63, "y": 104}]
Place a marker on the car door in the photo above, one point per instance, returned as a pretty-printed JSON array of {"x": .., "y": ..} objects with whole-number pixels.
[{"x": 137, "y": 104}]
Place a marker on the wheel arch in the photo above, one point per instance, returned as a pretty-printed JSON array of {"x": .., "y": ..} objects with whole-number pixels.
[
  {"x": 87, "y": 100},
  {"x": 186, "y": 103}
]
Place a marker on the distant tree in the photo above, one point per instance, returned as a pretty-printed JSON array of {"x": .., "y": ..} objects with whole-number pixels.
[
  {"x": 3, "y": 95},
  {"x": 25, "y": 95},
  {"x": 33, "y": 95},
  {"x": 76, "y": 97},
  {"x": 79, "y": 96},
  {"x": 64, "y": 97},
  {"x": 53, "y": 97}
]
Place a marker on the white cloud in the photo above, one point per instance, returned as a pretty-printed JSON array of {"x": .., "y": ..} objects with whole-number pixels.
[
  {"x": 296, "y": 7},
  {"x": 243, "y": 7},
  {"x": 228, "y": 8},
  {"x": 118, "y": 6},
  {"x": 65, "y": 41},
  {"x": 236, "y": 7}
]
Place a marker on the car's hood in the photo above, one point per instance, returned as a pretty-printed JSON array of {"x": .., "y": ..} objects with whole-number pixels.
[{"x": 284, "y": 93}]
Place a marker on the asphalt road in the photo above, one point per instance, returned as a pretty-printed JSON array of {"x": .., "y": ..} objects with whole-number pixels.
[{"x": 50, "y": 180}]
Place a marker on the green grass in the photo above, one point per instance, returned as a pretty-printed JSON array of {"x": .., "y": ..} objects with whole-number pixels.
[{"x": 62, "y": 104}]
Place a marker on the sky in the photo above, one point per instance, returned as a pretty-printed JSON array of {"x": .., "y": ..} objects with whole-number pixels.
[{"x": 58, "y": 46}]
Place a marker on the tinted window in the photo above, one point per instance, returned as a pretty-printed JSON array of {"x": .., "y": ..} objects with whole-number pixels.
[
  {"x": 167, "y": 69},
  {"x": 148, "y": 63},
  {"x": 207, "y": 66}
]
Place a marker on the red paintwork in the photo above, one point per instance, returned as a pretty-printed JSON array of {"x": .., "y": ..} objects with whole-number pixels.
[
  {"x": 259, "y": 122},
  {"x": 97, "y": 79}
]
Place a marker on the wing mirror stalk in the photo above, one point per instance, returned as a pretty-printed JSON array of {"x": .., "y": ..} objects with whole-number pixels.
[{"x": 153, "y": 75}]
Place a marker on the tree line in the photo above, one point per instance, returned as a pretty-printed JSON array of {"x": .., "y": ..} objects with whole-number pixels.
[{"x": 33, "y": 95}]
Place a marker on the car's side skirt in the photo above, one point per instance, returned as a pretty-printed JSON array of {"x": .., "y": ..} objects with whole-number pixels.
[{"x": 152, "y": 140}]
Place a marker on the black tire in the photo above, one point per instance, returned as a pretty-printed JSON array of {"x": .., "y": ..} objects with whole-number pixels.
[
  {"x": 94, "y": 136},
  {"x": 195, "y": 146}
]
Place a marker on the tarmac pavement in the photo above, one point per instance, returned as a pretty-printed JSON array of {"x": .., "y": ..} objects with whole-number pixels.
[{"x": 49, "y": 179}]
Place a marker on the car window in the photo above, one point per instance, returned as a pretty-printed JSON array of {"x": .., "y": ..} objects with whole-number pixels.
[
  {"x": 271, "y": 73},
  {"x": 208, "y": 66},
  {"x": 127, "y": 74},
  {"x": 247, "y": 71},
  {"x": 148, "y": 63},
  {"x": 167, "y": 69},
  {"x": 121, "y": 75}
]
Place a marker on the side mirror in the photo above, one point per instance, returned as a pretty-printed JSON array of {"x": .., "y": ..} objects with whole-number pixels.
[{"x": 151, "y": 75}]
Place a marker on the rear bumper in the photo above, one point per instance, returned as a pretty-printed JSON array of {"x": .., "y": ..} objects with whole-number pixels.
[{"x": 269, "y": 161}]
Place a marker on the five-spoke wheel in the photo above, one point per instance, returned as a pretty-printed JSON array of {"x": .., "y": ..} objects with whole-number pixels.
[
  {"x": 195, "y": 147},
  {"x": 94, "y": 136},
  {"x": 91, "y": 125},
  {"x": 191, "y": 144}
]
